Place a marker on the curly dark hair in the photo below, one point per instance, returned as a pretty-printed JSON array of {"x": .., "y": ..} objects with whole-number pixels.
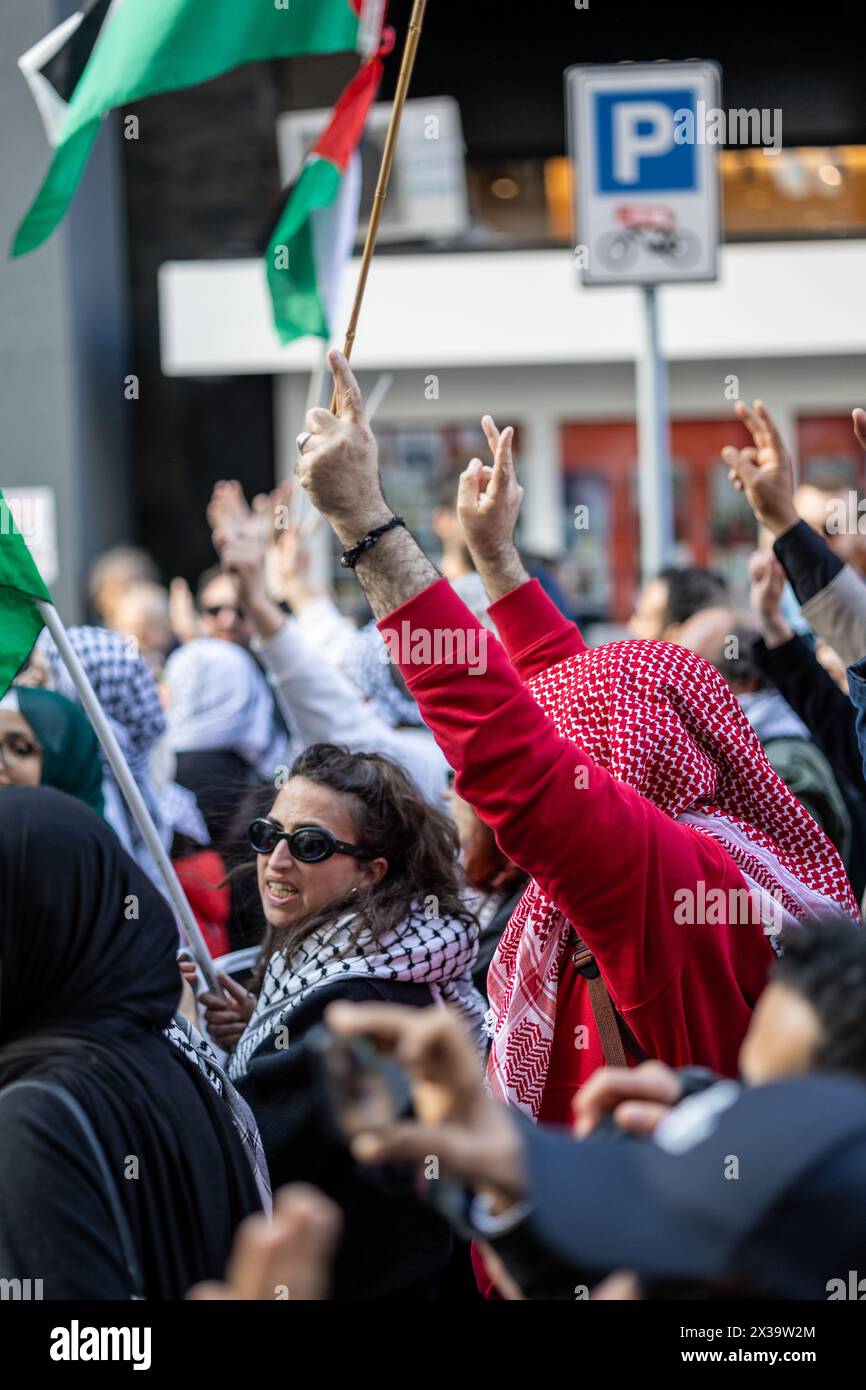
[
  {"x": 391, "y": 818},
  {"x": 824, "y": 961}
]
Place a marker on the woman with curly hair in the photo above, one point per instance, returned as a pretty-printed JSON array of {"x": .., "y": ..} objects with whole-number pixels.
[{"x": 358, "y": 881}]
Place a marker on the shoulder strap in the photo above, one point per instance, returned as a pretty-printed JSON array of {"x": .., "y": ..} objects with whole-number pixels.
[
  {"x": 613, "y": 1031},
  {"x": 127, "y": 1245}
]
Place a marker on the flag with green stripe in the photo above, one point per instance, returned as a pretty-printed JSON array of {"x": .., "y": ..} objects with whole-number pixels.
[
  {"x": 315, "y": 232},
  {"x": 113, "y": 52},
  {"x": 20, "y": 586}
]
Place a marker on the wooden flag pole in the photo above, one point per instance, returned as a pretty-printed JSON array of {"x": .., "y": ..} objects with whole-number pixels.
[
  {"x": 131, "y": 794},
  {"x": 407, "y": 63}
]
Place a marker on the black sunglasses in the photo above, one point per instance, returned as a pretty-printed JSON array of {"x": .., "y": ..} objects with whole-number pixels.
[
  {"x": 213, "y": 610},
  {"x": 309, "y": 843}
]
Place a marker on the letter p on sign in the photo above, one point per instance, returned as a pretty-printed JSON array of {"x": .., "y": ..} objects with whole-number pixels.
[
  {"x": 640, "y": 129},
  {"x": 636, "y": 149}
]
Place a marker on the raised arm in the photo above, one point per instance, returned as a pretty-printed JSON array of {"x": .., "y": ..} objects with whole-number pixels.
[
  {"x": 534, "y": 633},
  {"x": 322, "y": 704},
  {"x": 555, "y": 813},
  {"x": 832, "y": 597}
]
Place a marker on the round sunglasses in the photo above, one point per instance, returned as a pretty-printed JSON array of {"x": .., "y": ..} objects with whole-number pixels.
[{"x": 309, "y": 843}]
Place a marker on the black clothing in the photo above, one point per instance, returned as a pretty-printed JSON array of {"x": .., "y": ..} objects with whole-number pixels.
[
  {"x": 813, "y": 694},
  {"x": 89, "y": 981},
  {"x": 786, "y": 1222},
  {"x": 831, "y": 719},
  {"x": 220, "y": 781},
  {"x": 807, "y": 560},
  {"x": 393, "y": 1246}
]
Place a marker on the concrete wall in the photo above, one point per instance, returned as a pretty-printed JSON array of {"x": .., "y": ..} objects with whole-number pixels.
[{"x": 63, "y": 340}]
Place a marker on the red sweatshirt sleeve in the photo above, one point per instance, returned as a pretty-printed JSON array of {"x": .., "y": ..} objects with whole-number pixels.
[
  {"x": 610, "y": 860},
  {"x": 532, "y": 630}
]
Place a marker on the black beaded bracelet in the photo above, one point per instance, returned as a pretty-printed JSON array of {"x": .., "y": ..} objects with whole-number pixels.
[{"x": 350, "y": 557}]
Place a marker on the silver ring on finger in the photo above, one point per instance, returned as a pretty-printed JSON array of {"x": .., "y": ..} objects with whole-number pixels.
[{"x": 303, "y": 440}]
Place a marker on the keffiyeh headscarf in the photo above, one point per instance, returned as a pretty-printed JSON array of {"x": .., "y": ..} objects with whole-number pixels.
[
  {"x": 368, "y": 665},
  {"x": 221, "y": 701},
  {"x": 127, "y": 692},
  {"x": 421, "y": 951},
  {"x": 661, "y": 720}
]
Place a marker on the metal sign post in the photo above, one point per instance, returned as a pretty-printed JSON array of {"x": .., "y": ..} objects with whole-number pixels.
[{"x": 655, "y": 490}]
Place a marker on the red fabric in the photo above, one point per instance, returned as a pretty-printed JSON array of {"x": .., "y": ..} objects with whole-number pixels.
[
  {"x": 604, "y": 856},
  {"x": 200, "y": 874},
  {"x": 342, "y": 135}
]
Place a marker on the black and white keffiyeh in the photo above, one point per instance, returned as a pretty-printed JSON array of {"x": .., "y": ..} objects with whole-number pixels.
[
  {"x": 122, "y": 681},
  {"x": 433, "y": 952},
  {"x": 198, "y": 1053},
  {"x": 126, "y": 690}
]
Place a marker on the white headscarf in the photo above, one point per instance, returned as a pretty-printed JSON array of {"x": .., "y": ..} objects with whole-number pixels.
[{"x": 221, "y": 701}]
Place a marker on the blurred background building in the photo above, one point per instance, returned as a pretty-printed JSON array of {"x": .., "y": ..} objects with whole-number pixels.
[{"x": 473, "y": 303}]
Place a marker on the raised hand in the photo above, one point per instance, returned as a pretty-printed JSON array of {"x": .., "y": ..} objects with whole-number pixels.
[
  {"x": 767, "y": 584},
  {"x": 488, "y": 505},
  {"x": 488, "y": 499},
  {"x": 473, "y": 1136},
  {"x": 182, "y": 612},
  {"x": 289, "y": 1256},
  {"x": 635, "y": 1097},
  {"x": 227, "y": 1018},
  {"x": 338, "y": 464},
  {"x": 859, "y": 417},
  {"x": 763, "y": 470},
  {"x": 228, "y": 511}
]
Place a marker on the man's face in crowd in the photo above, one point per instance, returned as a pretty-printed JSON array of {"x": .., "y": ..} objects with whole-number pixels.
[
  {"x": 782, "y": 1037},
  {"x": 222, "y": 615},
  {"x": 141, "y": 618},
  {"x": 455, "y": 552},
  {"x": 818, "y": 508},
  {"x": 648, "y": 619},
  {"x": 116, "y": 583},
  {"x": 706, "y": 633}
]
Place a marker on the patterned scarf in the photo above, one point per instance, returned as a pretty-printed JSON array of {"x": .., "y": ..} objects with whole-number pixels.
[
  {"x": 436, "y": 953},
  {"x": 198, "y": 1053},
  {"x": 662, "y": 721},
  {"x": 127, "y": 692}
]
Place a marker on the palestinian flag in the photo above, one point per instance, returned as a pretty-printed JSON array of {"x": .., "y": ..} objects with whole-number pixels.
[
  {"x": 113, "y": 52},
  {"x": 316, "y": 229},
  {"x": 20, "y": 585}
]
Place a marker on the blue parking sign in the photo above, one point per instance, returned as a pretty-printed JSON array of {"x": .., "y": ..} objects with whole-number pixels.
[
  {"x": 637, "y": 151},
  {"x": 646, "y": 178}
]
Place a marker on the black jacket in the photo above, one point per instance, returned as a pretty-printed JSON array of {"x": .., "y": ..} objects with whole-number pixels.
[
  {"x": 830, "y": 717},
  {"x": 393, "y": 1246}
]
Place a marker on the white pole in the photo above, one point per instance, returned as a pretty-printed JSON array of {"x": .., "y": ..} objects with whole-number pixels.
[
  {"x": 654, "y": 468},
  {"x": 378, "y": 394},
  {"x": 316, "y": 388},
  {"x": 301, "y": 508},
  {"x": 131, "y": 793}
]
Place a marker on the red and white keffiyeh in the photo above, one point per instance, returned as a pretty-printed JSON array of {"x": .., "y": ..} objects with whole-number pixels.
[{"x": 664, "y": 722}]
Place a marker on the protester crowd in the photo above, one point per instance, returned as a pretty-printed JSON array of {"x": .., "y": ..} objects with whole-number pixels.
[{"x": 540, "y": 966}]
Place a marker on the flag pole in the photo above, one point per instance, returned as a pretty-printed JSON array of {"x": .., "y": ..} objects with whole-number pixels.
[
  {"x": 407, "y": 63},
  {"x": 131, "y": 793}
]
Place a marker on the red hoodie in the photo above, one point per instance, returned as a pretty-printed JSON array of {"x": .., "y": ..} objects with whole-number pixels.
[{"x": 613, "y": 868}]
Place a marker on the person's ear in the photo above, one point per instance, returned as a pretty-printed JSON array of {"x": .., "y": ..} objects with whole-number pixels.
[{"x": 373, "y": 871}]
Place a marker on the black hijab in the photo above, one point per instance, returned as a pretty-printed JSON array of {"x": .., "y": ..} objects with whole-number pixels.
[{"x": 89, "y": 979}]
